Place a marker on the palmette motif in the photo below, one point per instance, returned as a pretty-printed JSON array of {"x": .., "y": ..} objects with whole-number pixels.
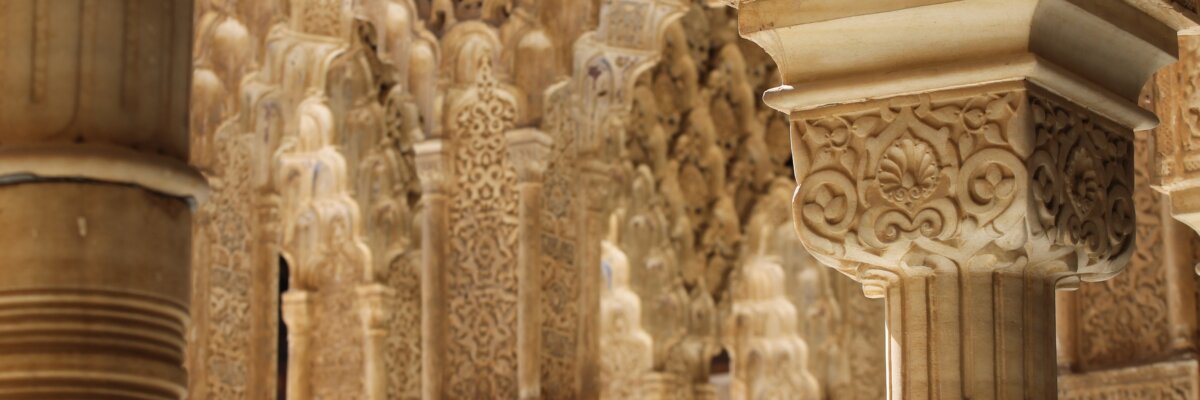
[{"x": 1008, "y": 173}]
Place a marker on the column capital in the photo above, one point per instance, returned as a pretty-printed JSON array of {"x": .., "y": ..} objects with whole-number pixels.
[
  {"x": 529, "y": 152},
  {"x": 1005, "y": 175},
  {"x": 373, "y": 306},
  {"x": 1097, "y": 54},
  {"x": 296, "y": 311},
  {"x": 433, "y": 163}
]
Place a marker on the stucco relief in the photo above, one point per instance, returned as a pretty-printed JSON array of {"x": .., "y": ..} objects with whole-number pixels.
[{"x": 308, "y": 122}]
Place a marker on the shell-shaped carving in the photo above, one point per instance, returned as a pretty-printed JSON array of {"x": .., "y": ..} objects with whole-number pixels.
[{"x": 908, "y": 171}]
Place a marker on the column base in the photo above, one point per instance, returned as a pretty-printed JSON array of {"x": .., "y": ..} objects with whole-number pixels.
[{"x": 95, "y": 290}]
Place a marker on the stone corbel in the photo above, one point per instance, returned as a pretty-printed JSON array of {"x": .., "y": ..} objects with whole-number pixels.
[
  {"x": 529, "y": 152},
  {"x": 434, "y": 169},
  {"x": 962, "y": 160}
]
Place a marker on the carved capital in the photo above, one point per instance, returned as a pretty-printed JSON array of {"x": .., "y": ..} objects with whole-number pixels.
[
  {"x": 434, "y": 167},
  {"x": 596, "y": 184},
  {"x": 529, "y": 153},
  {"x": 296, "y": 313},
  {"x": 373, "y": 306},
  {"x": 994, "y": 176}
]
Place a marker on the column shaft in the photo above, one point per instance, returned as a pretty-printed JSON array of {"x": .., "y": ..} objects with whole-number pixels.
[
  {"x": 296, "y": 315},
  {"x": 977, "y": 335},
  {"x": 434, "y": 171},
  {"x": 433, "y": 295},
  {"x": 93, "y": 294},
  {"x": 529, "y": 322},
  {"x": 595, "y": 182}
]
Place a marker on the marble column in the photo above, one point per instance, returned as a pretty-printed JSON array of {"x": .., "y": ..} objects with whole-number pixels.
[
  {"x": 297, "y": 314},
  {"x": 434, "y": 170},
  {"x": 375, "y": 310},
  {"x": 529, "y": 152},
  {"x": 963, "y": 160},
  {"x": 95, "y": 198},
  {"x": 595, "y": 182}
]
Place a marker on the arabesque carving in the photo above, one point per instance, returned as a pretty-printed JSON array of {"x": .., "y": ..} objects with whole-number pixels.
[
  {"x": 345, "y": 176},
  {"x": 944, "y": 175},
  {"x": 1002, "y": 186},
  {"x": 454, "y": 165}
]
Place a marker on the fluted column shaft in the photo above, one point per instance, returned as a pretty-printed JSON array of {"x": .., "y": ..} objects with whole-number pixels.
[
  {"x": 978, "y": 334},
  {"x": 95, "y": 198}
]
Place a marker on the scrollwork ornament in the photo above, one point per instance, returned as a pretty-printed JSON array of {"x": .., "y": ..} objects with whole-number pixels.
[
  {"x": 826, "y": 204},
  {"x": 963, "y": 172}
]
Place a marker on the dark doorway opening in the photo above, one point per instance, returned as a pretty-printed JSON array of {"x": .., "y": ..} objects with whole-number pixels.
[{"x": 282, "y": 341}]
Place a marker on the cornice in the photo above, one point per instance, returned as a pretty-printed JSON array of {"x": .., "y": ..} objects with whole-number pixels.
[{"x": 1099, "y": 53}]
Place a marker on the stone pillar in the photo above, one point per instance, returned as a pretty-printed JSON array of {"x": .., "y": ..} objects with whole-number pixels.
[
  {"x": 1176, "y": 144},
  {"x": 95, "y": 198},
  {"x": 297, "y": 316},
  {"x": 529, "y": 152},
  {"x": 374, "y": 307},
  {"x": 962, "y": 160},
  {"x": 595, "y": 182},
  {"x": 434, "y": 171}
]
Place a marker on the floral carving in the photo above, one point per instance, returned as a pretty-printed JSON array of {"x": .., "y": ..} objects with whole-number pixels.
[
  {"x": 482, "y": 277},
  {"x": 1083, "y": 181},
  {"x": 1125, "y": 320},
  {"x": 952, "y": 165},
  {"x": 560, "y": 270},
  {"x": 908, "y": 172}
]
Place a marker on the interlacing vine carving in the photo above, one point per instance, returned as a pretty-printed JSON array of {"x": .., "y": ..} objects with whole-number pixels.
[
  {"x": 1124, "y": 320},
  {"x": 483, "y": 233},
  {"x": 949, "y": 173},
  {"x": 560, "y": 281}
]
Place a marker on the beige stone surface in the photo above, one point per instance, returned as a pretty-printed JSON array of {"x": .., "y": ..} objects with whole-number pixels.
[
  {"x": 95, "y": 199},
  {"x": 965, "y": 169},
  {"x": 590, "y": 199}
]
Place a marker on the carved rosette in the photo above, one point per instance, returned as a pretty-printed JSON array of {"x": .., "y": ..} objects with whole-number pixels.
[{"x": 1000, "y": 175}]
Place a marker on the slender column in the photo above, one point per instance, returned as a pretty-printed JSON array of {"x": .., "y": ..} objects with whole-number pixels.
[
  {"x": 433, "y": 169},
  {"x": 297, "y": 316},
  {"x": 529, "y": 152},
  {"x": 595, "y": 182},
  {"x": 374, "y": 310},
  {"x": 963, "y": 174},
  {"x": 95, "y": 199}
]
